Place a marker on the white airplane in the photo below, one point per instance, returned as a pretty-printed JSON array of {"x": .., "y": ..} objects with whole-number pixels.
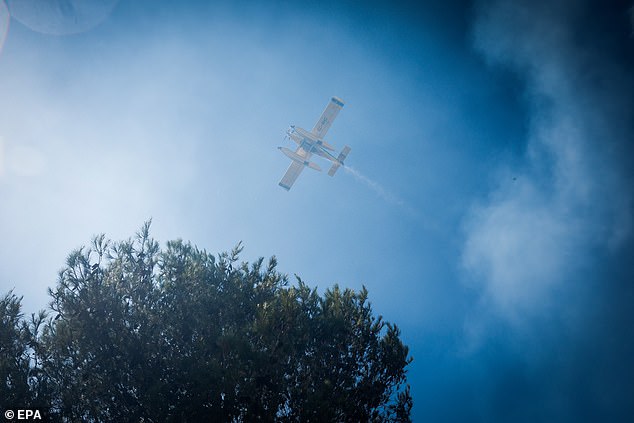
[{"x": 313, "y": 142}]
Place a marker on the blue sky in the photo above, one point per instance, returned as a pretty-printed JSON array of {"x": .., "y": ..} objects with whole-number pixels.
[{"x": 489, "y": 204}]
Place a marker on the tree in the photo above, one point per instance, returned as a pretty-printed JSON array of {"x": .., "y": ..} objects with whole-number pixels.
[
  {"x": 21, "y": 383},
  {"x": 14, "y": 363},
  {"x": 143, "y": 334}
]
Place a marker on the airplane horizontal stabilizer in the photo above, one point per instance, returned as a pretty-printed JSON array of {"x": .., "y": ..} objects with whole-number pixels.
[
  {"x": 333, "y": 169},
  {"x": 340, "y": 159}
]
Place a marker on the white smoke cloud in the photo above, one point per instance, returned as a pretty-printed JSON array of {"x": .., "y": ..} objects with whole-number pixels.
[{"x": 534, "y": 232}]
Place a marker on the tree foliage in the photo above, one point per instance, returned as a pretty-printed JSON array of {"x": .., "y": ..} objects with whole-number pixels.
[
  {"x": 20, "y": 370},
  {"x": 139, "y": 333}
]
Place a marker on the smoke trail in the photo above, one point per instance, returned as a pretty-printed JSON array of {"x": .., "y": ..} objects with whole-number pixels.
[{"x": 382, "y": 192}]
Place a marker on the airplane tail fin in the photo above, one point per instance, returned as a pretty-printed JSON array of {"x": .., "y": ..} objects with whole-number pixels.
[{"x": 340, "y": 159}]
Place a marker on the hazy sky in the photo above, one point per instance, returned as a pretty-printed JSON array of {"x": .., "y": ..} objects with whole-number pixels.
[{"x": 489, "y": 203}]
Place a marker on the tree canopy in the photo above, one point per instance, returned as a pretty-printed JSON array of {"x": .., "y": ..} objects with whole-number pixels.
[{"x": 139, "y": 333}]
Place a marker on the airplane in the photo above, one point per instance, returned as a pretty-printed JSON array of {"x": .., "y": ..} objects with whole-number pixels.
[{"x": 313, "y": 142}]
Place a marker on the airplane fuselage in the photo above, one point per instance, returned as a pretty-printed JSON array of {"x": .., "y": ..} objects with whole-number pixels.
[{"x": 311, "y": 143}]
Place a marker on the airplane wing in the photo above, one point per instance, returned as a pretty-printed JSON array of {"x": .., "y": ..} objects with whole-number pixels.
[
  {"x": 291, "y": 175},
  {"x": 327, "y": 117},
  {"x": 294, "y": 170}
]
